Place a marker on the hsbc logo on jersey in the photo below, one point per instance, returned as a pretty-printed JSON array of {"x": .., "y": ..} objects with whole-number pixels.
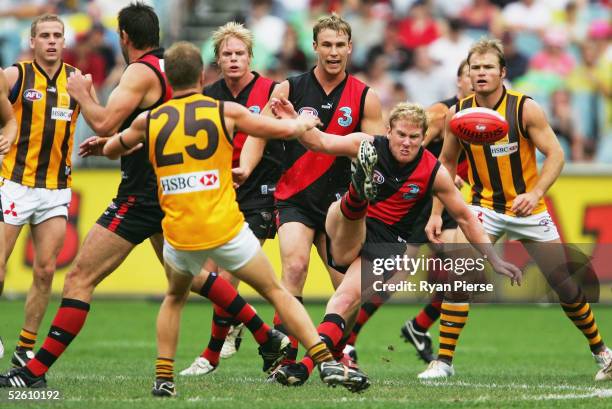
[
  {"x": 190, "y": 182},
  {"x": 504, "y": 150}
]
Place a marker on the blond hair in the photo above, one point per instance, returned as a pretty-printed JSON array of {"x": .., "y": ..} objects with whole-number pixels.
[
  {"x": 485, "y": 45},
  {"x": 43, "y": 19},
  {"x": 183, "y": 65},
  {"x": 411, "y": 112},
  {"x": 332, "y": 22},
  {"x": 232, "y": 29}
]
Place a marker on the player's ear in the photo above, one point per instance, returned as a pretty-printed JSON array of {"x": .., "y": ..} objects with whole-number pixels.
[
  {"x": 503, "y": 73},
  {"x": 202, "y": 79},
  {"x": 350, "y": 47}
]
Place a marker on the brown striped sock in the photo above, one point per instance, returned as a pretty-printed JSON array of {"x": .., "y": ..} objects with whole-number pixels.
[
  {"x": 453, "y": 318},
  {"x": 319, "y": 353},
  {"x": 27, "y": 340},
  {"x": 164, "y": 369},
  {"x": 581, "y": 315}
]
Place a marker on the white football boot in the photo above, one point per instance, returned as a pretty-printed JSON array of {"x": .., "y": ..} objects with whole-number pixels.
[{"x": 437, "y": 370}]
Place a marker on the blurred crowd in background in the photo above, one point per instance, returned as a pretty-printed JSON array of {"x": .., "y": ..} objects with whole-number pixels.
[{"x": 557, "y": 51}]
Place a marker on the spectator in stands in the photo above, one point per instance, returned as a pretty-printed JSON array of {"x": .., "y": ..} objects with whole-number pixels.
[
  {"x": 563, "y": 123},
  {"x": 425, "y": 82},
  {"x": 290, "y": 55},
  {"x": 554, "y": 57},
  {"x": 267, "y": 29},
  {"x": 516, "y": 62},
  {"x": 527, "y": 15},
  {"x": 592, "y": 90},
  {"x": 481, "y": 16},
  {"x": 377, "y": 76},
  {"x": 87, "y": 59},
  {"x": 367, "y": 31},
  {"x": 419, "y": 28},
  {"x": 399, "y": 57},
  {"x": 450, "y": 49}
]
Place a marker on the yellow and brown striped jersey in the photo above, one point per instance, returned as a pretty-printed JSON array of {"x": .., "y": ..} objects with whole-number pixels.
[
  {"x": 191, "y": 154},
  {"x": 501, "y": 171},
  {"x": 46, "y": 116}
]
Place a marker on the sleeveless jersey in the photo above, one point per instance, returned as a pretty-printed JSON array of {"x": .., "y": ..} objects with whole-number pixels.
[
  {"x": 47, "y": 116},
  {"x": 501, "y": 171},
  {"x": 257, "y": 191},
  {"x": 310, "y": 179},
  {"x": 191, "y": 154},
  {"x": 403, "y": 190},
  {"x": 137, "y": 177}
]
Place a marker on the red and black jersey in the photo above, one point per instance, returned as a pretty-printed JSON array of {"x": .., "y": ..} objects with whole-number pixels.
[
  {"x": 257, "y": 191},
  {"x": 403, "y": 192},
  {"x": 314, "y": 180},
  {"x": 137, "y": 176}
]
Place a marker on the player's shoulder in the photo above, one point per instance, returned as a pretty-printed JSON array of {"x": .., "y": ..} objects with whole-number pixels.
[{"x": 214, "y": 90}]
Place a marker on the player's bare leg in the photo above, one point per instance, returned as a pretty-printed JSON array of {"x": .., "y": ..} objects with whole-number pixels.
[
  {"x": 551, "y": 258},
  {"x": 168, "y": 324},
  {"x": 48, "y": 239},
  {"x": 347, "y": 235},
  {"x": 295, "y": 241},
  {"x": 101, "y": 253},
  {"x": 230, "y": 307}
]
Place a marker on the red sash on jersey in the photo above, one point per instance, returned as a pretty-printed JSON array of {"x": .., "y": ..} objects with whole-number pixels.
[
  {"x": 153, "y": 61},
  {"x": 312, "y": 165},
  {"x": 259, "y": 96},
  {"x": 395, "y": 207}
]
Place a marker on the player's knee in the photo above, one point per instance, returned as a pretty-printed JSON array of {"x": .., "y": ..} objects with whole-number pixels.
[
  {"x": 43, "y": 273},
  {"x": 295, "y": 269}
]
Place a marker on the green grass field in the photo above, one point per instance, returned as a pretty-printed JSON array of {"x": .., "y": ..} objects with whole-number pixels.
[{"x": 509, "y": 356}]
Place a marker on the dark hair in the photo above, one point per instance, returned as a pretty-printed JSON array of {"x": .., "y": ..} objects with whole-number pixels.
[
  {"x": 141, "y": 24},
  {"x": 462, "y": 65},
  {"x": 183, "y": 63}
]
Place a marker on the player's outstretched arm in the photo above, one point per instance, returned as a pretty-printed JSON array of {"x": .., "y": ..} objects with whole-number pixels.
[
  {"x": 125, "y": 98},
  {"x": 445, "y": 190},
  {"x": 127, "y": 140},
  {"x": 238, "y": 118},
  {"x": 7, "y": 119},
  {"x": 546, "y": 141},
  {"x": 317, "y": 140}
]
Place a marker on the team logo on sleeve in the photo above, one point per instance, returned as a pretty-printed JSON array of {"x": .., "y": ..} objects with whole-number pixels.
[
  {"x": 255, "y": 109},
  {"x": 346, "y": 119},
  {"x": 309, "y": 110}
]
